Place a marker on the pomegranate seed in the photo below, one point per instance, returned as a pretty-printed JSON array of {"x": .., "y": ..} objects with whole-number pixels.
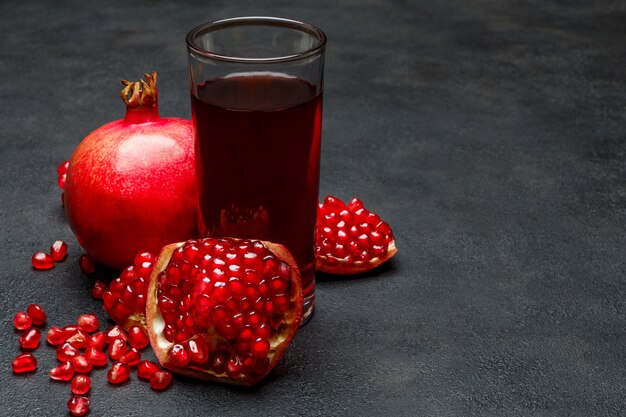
[
  {"x": 260, "y": 348},
  {"x": 63, "y": 372},
  {"x": 145, "y": 369},
  {"x": 144, "y": 257},
  {"x": 79, "y": 339},
  {"x": 78, "y": 405},
  {"x": 56, "y": 336},
  {"x": 58, "y": 250},
  {"x": 117, "y": 349},
  {"x": 42, "y": 260},
  {"x": 62, "y": 169},
  {"x": 71, "y": 329},
  {"x": 99, "y": 288},
  {"x": 81, "y": 384},
  {"x": 198, "y": 351},
  {"x": 178, "y": 355},
  {"x": 61, "y": 181},
  {"x": 29, "y": 340},
  {"x": 88, "y": 322},
  {"x": 22, "y": 321},
  {"x": 137, "y": 337},
  {"x": 116, "y": 332},
  {"x": 131, "y": 357},
  {"x": 36, "y": 313},
  {"x": 160, "y": 380},
  {"x": 66, "y": 352},
  {"x": 87, "y": 264},
  {"x": 24, "y": 363},
  {"x": 118, "y": 373},
  {"x": 97, "y": 340},
  {"x": 81, "y": 365},
  {"x": 96, "y": 357},
  {"x": 233, "y": 368}
]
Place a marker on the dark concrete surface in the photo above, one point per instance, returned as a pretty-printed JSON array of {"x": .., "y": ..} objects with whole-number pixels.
[{"x": 490, "y": 134}]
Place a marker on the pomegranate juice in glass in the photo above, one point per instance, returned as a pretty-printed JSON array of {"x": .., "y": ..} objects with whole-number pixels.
[{"x": 256, "y": 94}]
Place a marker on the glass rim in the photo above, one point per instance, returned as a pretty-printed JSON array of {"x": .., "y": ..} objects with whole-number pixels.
[{"x": 312, "y": 30}]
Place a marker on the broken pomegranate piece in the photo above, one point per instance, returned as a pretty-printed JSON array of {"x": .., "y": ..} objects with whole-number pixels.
[
  {"x": 223, "y": 309},
  {"x": 349, "y": 239},
  {"x": 125, "y": 300}
]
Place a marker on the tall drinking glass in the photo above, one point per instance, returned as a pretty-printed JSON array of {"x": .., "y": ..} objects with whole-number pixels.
[{"x": 256, "y": 98}]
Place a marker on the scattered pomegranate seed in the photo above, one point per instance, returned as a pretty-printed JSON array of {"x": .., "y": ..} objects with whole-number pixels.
[
  {"x": 96, "y": 357},
  {"x": 79, "y": 339},
  {"x": 87, "y": 265},
  {"x": 137, "y": 337},
  {"x": 117, "y": 349},
  {"x": 160, "y": 380},
  {"x": 42, "y": 260},
  {"x": 36, "y": 313},
  {"x": 61, "y": 181},
  {"x": 98, "y": 289},
  {"x": 81, "y": 365},
  {"x": 62, "y": 168},
  {"x": 81, "y": 384},
  {"x": 63, "y": 372},
  {"x": 58, "y": 250},
  {"x": 179, "y": 356},
  {"x": 29, "y": 340},
  {"x": 71, "y": 329},
  {"x": 97, "y": 340},
  {"x": 145, "y": 369},
  {"x": 118, "y": 373},
  {"x": 116, "y": 332},
  {"x": 66, "y": 352},
  {"x": 22, "y": 321},
  {"x": 56, "y": 336},
  {"x": 24, "y": 363},
  {"x": 88, "y": 322},
  {"x": 131, "y": 357},
  {"x": 78, "y": 405}
]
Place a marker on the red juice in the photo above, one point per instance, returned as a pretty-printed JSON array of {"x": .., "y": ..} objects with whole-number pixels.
[{"x": 257, "y": 161}]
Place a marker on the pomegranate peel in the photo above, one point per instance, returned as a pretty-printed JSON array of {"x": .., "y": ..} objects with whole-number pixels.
[
  {"x": 236, "y": 339},
  {"x": 349, "y": 239}
]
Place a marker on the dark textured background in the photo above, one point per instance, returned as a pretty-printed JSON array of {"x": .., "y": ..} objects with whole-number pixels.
[{"x": 488, "y": 133}]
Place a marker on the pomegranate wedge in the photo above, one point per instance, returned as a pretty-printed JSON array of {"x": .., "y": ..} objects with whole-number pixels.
[
  {"x": 350, "y": 239},
  {"x": 223, "y": 309}
]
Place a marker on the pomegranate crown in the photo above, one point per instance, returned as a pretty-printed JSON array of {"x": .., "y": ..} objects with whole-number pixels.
[{"x": 141, "y": 93}]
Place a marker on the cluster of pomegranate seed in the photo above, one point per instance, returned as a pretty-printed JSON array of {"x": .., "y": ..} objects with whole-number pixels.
[
  {"x": 29, "y": 338},
  {"x": 349, "y": 238},
  {"x": 62, "y": 177},
  {"x": 42, "y": 260},
  {"x": 226, "y": 296},
  {"x": 80, "y": 347},
  {"x": 62, "y": 174},
  {"x": 125, "y": 298}
]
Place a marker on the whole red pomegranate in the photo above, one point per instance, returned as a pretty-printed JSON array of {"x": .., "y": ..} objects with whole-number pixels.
[{"x": 130, "y": 184}]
